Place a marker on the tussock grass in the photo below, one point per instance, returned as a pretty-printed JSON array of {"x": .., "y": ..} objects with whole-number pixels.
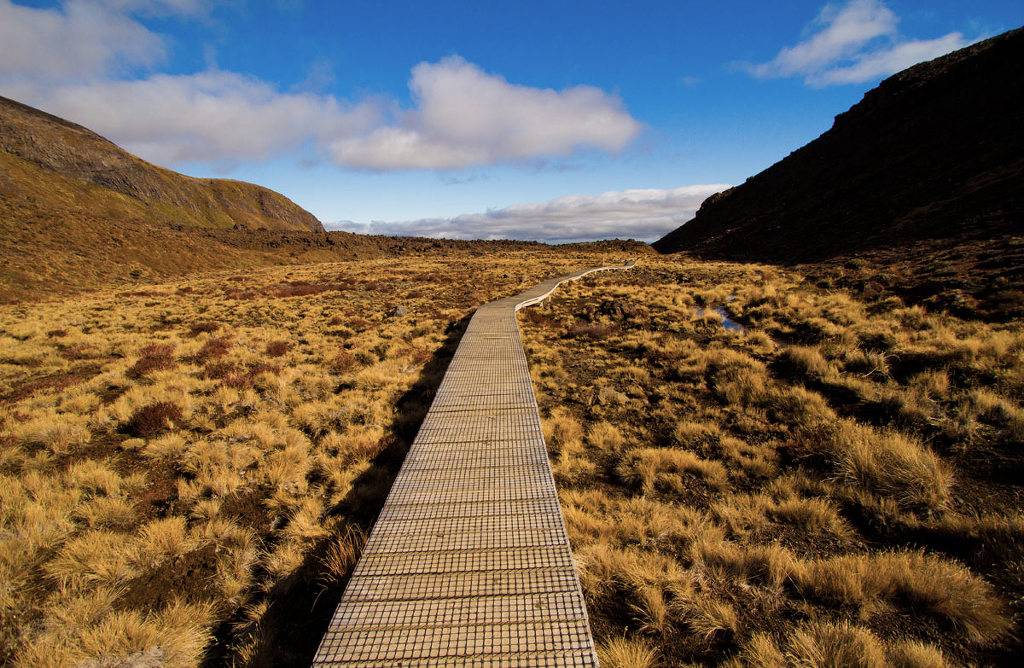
[
  {"x": 924, "y": 584},
  {"x": 836, "y": 485},
  {"x": 890, "y": 464},
  {"x": 653, "y": 469},
  {"x": 627, "y": 653}
]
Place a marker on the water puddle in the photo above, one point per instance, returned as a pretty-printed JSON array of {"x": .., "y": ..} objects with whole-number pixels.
[{"x": 728, "y": 323}]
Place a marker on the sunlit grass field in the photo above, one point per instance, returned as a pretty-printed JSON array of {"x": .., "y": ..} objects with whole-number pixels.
[
  {"x": 836, "y": 483},
  {"x": 188, "y": 470}
]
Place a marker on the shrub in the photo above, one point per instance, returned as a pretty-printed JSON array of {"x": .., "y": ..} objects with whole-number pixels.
[
  {"x": 215, "y": 348},
  {"x": 889, "y": 464},
  {"x": 278, "y": 348},
  {"x": 343, "y": 362},
  {"x": 154, "y": 418},
  {"x": 238, "y": 376},
  {"x": 343, "y": 553},
  {"x": 689, "y": 434},
  {"x": 925, "y": 584},
  {"x": 802, "y": 362},
  {"x": 605, "y": 436},
  {"x": 163, "y": 539},
  {"x": 563, "y": 432},
  {"x": 824, "y": 644},
  {"x": 592, "y": 331},
  {"x": 650, "y": 468},
  {"x": 203, "y": 327},
  {"x": 57, "y": 431},
  {"x": 154, "y": 357}
]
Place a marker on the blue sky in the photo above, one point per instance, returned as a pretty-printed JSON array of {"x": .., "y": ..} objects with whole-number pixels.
[{"x": 553, "y": 120}]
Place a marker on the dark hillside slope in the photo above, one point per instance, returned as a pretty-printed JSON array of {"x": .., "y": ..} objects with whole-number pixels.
[{"x": 935, "y": 152}]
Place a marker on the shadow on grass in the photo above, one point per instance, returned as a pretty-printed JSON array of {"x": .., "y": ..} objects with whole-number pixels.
[{"x": 302, "y": 605}]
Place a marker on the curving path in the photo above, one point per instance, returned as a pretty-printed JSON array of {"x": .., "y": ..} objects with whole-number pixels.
[{"x": 469, "y": 562}]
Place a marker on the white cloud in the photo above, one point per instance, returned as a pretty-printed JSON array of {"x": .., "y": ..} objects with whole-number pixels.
[
  {"x": 160, "y": 7},
  {"x": 80, "y": 39},
  {"x": 212, "y": 116},
  {"x": 887, "y": 61},
  {"x": 72, "y": 61},
  {"x": 637, "y": 214},
  {"x": 465, "y": 116},
  {"x": 853, "y": 43}
]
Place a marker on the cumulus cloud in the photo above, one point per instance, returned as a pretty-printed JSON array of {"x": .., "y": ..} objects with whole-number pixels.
[
  {"x": 465, "y": 116},
  {"x": 644, "y": 214},
  {"x": 213, "y": 116},
  {"x": 72, "y": 61},
  {"x": 853, "y": 43},
  {"x": 79, "y": 39}
]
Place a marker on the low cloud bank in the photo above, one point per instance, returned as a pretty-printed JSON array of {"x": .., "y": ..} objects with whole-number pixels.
[{"x": 645, "y": 214}]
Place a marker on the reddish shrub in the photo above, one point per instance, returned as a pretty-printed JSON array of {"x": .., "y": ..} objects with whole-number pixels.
[
  {"x": 278, "y": 348},
  {"x": 213, "y": 349},
  {"x": 219, "y": 370},
  {"x": 246, "y": 377},
  {"x": 153, "y": 418},
  {"x": 344, "y": 361},
  {"x": 303, "y": 288},
  {"x": 153, "y": 357},
  {"x": 57, "y": 333},
  {"x": 77, "y": 351},
  {"x": 203, "y": 327}
]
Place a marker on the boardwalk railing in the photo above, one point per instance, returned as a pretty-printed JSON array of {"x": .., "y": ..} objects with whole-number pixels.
[{"x": 469, "y": 562}]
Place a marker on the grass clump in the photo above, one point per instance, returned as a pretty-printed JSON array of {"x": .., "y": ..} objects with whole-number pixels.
[
  {"x": 154, "y": 418},
  {"x": 154, "y": 357},
  {"x": 889, "y": 464}
]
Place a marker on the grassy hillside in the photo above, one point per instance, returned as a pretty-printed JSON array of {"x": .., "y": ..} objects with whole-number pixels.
[
  {"x": 77, "y": 212},
  {"x": 62, "y": 149}
]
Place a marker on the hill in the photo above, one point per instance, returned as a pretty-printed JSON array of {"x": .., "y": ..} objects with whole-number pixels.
[
  {"x": 46, "y": 148},
  {"x": 932, "y": 158},
  {"x": 78, "y": 213}
]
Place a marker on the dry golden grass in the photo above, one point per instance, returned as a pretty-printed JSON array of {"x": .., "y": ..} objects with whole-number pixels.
[
  {"x": 839, "y": 484},
  {"x": 187, "y": 471}
]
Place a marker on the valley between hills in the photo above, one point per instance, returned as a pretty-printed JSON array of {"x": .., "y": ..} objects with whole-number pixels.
[{"x": 205, "y": 399}]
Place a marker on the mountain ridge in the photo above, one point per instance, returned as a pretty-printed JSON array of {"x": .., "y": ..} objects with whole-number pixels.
[
  {"x": 59, "y": 146},
  {"x": 934, "y": 152}
]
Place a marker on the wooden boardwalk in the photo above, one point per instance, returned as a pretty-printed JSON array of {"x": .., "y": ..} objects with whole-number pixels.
[{"x": 469, "y": 562}]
